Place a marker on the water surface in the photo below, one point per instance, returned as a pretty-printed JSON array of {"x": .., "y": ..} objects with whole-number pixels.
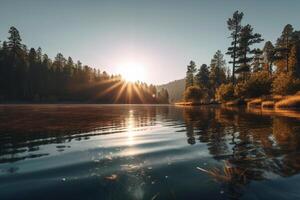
[{"x": 147, "y": 152}]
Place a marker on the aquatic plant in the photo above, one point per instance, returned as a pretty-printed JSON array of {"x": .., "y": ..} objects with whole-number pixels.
[{"x": 227, "y": 174}]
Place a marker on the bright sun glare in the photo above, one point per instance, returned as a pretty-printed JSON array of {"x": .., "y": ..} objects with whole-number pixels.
[{"x": 132, "y": 72}]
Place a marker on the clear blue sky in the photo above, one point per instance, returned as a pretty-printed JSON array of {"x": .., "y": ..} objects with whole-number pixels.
[{"x": 161, "y": 35}]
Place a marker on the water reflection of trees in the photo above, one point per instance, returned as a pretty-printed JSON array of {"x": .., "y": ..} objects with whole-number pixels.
[
  {"x": 25, "y": 129},
  {"x": 254, "y": 143}
]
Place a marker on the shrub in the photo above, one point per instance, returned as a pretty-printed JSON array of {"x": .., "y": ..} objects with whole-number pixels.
[
  {"x": 285, "y": 84},
  {"x": 258, "y": 84},
  {"x": 225, "y": 92},
  {"x": 194, "y": 94},
  {"x": 240, "y": 90}
]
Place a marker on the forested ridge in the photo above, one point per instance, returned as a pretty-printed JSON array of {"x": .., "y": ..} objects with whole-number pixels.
[
  {"x": 175, "y": 90},
  {"x": 29, "y": 75}
]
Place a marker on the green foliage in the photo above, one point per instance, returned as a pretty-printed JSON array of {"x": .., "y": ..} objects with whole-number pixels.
[
  {"x": 191, "y": 70},
  {"x": 194, "y": 94},
  {"x": 202, "y": 77},
  {"x": 294, "y": 58},
  {"x": 269, "y": 56},
  {"x": 240, "y": 90},
  {"x": 225, "y": 92},
  {"x": 217, "y": 74},
  {"x": 234, "y": 25},
  {"x": 285, "y": 84},
  {"x": 283, "y": 46},
  {"x": 246, "y": 39},
  {"x": 258, "y": 84},
  {"x": 256, "y": 61}
]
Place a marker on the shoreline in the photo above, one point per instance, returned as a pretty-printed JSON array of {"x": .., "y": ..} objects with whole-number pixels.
[{"x": 289, "y": 103}]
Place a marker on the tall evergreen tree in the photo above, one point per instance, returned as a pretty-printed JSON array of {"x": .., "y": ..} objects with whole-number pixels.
[
  {"x": 269, "y": 56},
  {"x": 191, "y": 70},
  {"x": 293, "y": 61},
  {"x": 16, "y": 63},
  {"x": 14, "y": 41},
  {"x": 217, "y": 71},
  {"x": 257, "y": 60},
  {"x": 245, "y": 54},
  {"x": 202, "y": 77},
  {"x": 234, "y": 25},
  {"x": 284, "y": 44}
]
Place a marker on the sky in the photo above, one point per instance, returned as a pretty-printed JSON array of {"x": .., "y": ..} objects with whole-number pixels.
[{"x": 159, "y": 36}]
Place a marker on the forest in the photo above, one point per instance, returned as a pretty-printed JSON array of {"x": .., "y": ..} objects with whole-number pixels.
[
  {"x": 29, "y": 75},
  {"x": 269, "y": 73}
]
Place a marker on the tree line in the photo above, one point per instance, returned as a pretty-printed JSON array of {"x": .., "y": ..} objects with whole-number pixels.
[
  {"x": 29, "y": 75},
  {"x": 273, "y": 69}
]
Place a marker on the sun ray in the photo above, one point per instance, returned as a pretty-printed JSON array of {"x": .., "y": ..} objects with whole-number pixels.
[
  {"x": 142, "y": 99},
  {"x": 120, "y": 92},
  {"x": 110, "y": 88},
  {"x": 129, "y": 93}
]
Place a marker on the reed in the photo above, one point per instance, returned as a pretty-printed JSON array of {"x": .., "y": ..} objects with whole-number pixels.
[{"x": 227, "y": 174}]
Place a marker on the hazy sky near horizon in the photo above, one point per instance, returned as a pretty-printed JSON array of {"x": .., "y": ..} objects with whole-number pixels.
[{"x": 161, "y": 35}]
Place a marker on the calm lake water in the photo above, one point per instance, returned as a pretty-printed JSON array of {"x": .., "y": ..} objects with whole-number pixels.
[{"x": 147, "y": 152}]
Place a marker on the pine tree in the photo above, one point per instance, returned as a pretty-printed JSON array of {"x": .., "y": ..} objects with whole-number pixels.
[
  {"x": 246, "y": 39},
  {"x": 217, "y": 74},
  {"x": 202, "y": 77},
  {"x": 269, "y": 53},
  {"x": 14, "y": 41},
  {"x": 234, "y": 25},
  {"x": 293, "y": 62},
  {"x": 16, "y": 63},
  {"x": 283, "y": 45},
  {"x": 257, "y": 60},
  {"x": 191, "y": 70}
]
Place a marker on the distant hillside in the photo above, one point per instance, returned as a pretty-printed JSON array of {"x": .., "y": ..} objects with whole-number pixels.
[{"x": 175, "y": 89}]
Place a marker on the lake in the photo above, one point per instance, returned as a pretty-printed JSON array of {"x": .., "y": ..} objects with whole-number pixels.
[{"x": 148, "y": 152}]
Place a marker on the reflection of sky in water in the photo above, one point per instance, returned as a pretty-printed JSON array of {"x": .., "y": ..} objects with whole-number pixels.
[{"x": 144, "y": 152}]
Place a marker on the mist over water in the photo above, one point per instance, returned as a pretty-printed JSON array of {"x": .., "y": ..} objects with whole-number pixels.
[{"x": 147, "y": 152}]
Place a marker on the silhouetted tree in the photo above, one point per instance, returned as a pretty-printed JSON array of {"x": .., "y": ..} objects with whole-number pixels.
[
  {"x": 234, "y": 25},
  {"x": 284, "y": 44},
  {"x": 32, "y": 76},
  {"x": 257, "y": 60},
  {"x": 191, "y": 70},
  {"x": 202, "y": 77},
  {"x": 217, "y": 74},
  {"x": 269, "y": 56},
  {"x": 246, "y": 39}
]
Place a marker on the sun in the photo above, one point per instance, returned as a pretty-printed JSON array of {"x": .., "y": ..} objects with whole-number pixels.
[{"x": 132, "y": 72}]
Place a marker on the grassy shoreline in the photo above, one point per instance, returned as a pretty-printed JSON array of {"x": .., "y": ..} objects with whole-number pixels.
[
  {"x": 184, "y": 103},
  {"x": 291, "y": 102}
]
